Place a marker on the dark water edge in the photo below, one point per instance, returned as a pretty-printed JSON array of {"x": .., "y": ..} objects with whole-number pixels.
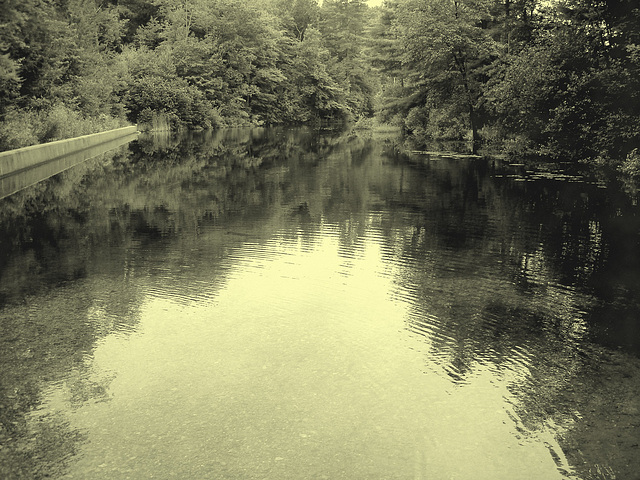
[
  {"x": 496, "y": 258},
  {"x": 605, "y": 444}
]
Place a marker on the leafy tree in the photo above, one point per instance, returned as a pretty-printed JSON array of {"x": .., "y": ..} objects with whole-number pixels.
[
  {"x": 9, "y": 79},
  {"x": 384, "y": 53},
  {"x": 343, "y": 25},
  {"x": 562, "y": 78},
  {"x": 447, "y": 43},
  {"x": 384, "y": 50},
  {"x": 92, "y": 76},
  {"x": 196, "y": 62},
  {"x": 35, "y": 34},
  {"x": 134, "y": 14},
  {"x": 572, "y": 91},
  {"x": 316, "y": 92},
  {"x": 298, "y": 16}
]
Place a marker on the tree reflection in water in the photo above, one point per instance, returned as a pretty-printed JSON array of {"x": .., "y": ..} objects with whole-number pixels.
[{"x": 529, "y": 279}]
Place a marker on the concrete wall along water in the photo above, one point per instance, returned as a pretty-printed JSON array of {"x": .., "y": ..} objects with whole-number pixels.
[{"x": 23, "y": 158}]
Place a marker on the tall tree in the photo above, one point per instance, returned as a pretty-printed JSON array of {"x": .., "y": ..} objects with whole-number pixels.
[
  {"x": 343, "y": 25},
  {"x": 384, "y": 52},
  {"x": 572, "y": 90},
  {"x": 298, "y": 15},
  {"x": 447, "y": 42}
]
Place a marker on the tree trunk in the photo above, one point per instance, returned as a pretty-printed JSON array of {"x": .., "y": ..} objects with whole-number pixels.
[
  {"x": 475, "y": 139},
  {"x": 473, "y": 120}
]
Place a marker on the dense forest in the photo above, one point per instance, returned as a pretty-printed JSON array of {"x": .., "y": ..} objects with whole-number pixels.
[
  {"x": 555, "y": 77},
  {"x": 191, "y": 63},
  {"x": 559, "y": 78}
]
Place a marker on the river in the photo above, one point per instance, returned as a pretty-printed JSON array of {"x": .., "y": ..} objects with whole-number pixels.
[{"x": 289, "y": 304}]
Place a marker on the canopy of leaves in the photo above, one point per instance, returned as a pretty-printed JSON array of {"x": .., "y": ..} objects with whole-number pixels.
[
  {"x": 197, "y": 63},
  {"x": 562, "y": 78}
]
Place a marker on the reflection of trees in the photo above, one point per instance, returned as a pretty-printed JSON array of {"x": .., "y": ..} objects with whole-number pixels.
[
  {"x": 164, "y": 186},
  {"x": 502, "y": 275},
  {"x": 465, "y": 227},
  {"x": 498, "y": 272},
  {"x": 62, "y": 238},
  {"x": 40, "y": 341},
  {"x": 509, "y": 276}
]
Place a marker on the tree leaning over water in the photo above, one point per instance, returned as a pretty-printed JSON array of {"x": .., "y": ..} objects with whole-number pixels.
[{"x": 559, "y": 77}]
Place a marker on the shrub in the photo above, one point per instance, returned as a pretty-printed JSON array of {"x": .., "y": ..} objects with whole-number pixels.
[
  {"x": 173, "y": 99},
  {"x": 631, "y": 165},
  {"x": 58, "y": 123},
  {"x": 29, "y": 127},
  {"x": 16, "y": 130}
]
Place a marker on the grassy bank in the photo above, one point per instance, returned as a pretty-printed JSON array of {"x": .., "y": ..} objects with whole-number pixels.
[{"x": 22, "y": 128}]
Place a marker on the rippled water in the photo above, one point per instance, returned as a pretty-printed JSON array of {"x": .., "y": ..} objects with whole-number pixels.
[{"x": 293, "y": 304}]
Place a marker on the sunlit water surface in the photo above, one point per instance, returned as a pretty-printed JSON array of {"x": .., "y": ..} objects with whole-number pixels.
[{"x": 279, "y": 304}]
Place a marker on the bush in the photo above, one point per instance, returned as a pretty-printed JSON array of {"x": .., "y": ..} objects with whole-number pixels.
[
  {"x": 427, "y": 124},
  {"x": 16, "y": 130},
  {"x": 364, "y": 123},
  {"x": 173, "y": 99},
  {"x": 29, "y": 127},
  {"x": 154, "y": 121},
  {"x": 631, "y": 165},
  {"x": 61, "y": 121},
  {"x": 58, "y": 123},
  {"x": 518, "y": 145}
]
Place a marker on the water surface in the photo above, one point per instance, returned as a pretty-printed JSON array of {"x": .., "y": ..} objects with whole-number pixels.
[{"x": 276, "y": 303}]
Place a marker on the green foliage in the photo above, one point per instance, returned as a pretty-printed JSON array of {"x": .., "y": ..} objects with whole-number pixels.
[
  {"x": 317, "y": 93},
  {"x": 35, "y": 34},
  {"x": 342, "y": 25},
  {"x": 631, "y": 164},
  {"x": 343, "y": 30},
  {"x": 187, "y": 63},
  {"x": 560, "y": 78},
  {"x": 22, "y": 128},
  {"x": 182, "y": 104},
  {"x": 447, "y": 44},
  {"x": 17, "y": 130},
  {"x": 430, "y": 123},
  {"x": 298, "y": 15},
  {"x": 555, "y": 78},
  {"x": 9, "y": 78}
]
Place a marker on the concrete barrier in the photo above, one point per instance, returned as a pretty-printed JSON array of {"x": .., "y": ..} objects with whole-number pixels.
[
  {"x": 16, "y": 160},
  {"x": 12, "y": 183}
]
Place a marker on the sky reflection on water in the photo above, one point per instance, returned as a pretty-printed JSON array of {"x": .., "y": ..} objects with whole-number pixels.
[
  {"x": 280, "y": 304},
  {"x": 298, "y": 367}
]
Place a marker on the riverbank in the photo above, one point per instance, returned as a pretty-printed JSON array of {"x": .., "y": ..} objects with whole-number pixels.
[{"x": 23, "y": 128}]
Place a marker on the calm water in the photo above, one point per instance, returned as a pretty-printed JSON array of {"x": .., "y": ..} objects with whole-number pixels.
[{"x": 288, "y": 304}]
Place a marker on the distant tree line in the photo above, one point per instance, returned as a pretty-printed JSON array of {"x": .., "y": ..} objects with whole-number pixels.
[
  {"x": 554, "y": 77},
  {"x": 67, "y": 66}
]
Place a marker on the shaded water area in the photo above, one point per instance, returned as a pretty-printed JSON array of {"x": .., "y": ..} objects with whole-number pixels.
[{"x": 287, "y": 304}]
